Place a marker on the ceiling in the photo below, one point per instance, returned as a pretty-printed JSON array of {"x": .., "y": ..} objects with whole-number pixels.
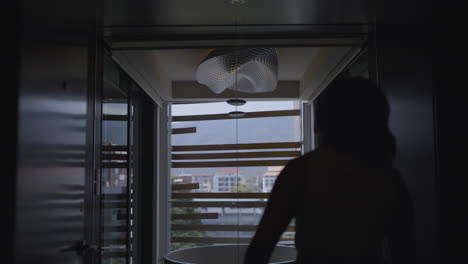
[
  {"x": 160, "y": 43},
  {"x": 170, "y": 74},
  {"x": 180, "y": 65},
  {"x": 126, "y": 20},
  {"x": 223, "y": 12}
]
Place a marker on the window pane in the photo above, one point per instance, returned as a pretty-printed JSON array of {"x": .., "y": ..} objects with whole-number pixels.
[
  {"x": 114, "y": 189},
  {"x": 224, "y": 215}
]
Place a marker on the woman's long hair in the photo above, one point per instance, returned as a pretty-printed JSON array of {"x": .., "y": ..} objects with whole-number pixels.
[{"x": 352, "y": 116}]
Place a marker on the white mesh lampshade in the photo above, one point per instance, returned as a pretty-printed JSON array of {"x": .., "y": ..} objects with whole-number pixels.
[{"x": 250, "y": 70}]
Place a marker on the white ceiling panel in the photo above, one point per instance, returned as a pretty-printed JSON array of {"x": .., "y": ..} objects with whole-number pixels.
[{"x": 304, "y": 69}]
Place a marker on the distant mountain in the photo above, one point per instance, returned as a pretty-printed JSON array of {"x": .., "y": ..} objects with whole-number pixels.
[{"x": 248, "y": 130}]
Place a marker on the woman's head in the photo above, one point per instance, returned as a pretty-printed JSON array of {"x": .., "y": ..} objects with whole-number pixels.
[{"x": 352, "y": 115}]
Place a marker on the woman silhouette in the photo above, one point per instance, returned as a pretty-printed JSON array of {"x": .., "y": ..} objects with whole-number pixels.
[{"x": 346, "y": 196}]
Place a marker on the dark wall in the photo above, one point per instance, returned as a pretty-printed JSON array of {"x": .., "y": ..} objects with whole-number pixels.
[
  {"x": 9, "y": 132},
  {"x": 451, "y": 135},
  {"x": 144, "y": 171},
  {"x": 404, "y": 63},
  {"x": 53, "y": 131}
]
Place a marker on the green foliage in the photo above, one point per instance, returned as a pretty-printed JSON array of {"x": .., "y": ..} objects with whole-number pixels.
[
  {"x": 244, "y": 187},
  {"x": 184, "y": 233}
]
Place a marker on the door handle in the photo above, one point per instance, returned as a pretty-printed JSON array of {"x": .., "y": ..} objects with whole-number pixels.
[{"x": 81, "y": 248}]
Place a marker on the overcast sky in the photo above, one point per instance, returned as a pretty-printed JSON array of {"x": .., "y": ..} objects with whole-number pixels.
[{"x": 223, "y": 107}]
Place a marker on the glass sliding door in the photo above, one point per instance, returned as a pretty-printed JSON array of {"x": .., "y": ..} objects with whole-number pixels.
[
  {"x": 223, "y": 168},
  {"x": 143, "y": 139},
  {"x": 115, "y": 176},
  {"x": 128, "y": 170}
]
